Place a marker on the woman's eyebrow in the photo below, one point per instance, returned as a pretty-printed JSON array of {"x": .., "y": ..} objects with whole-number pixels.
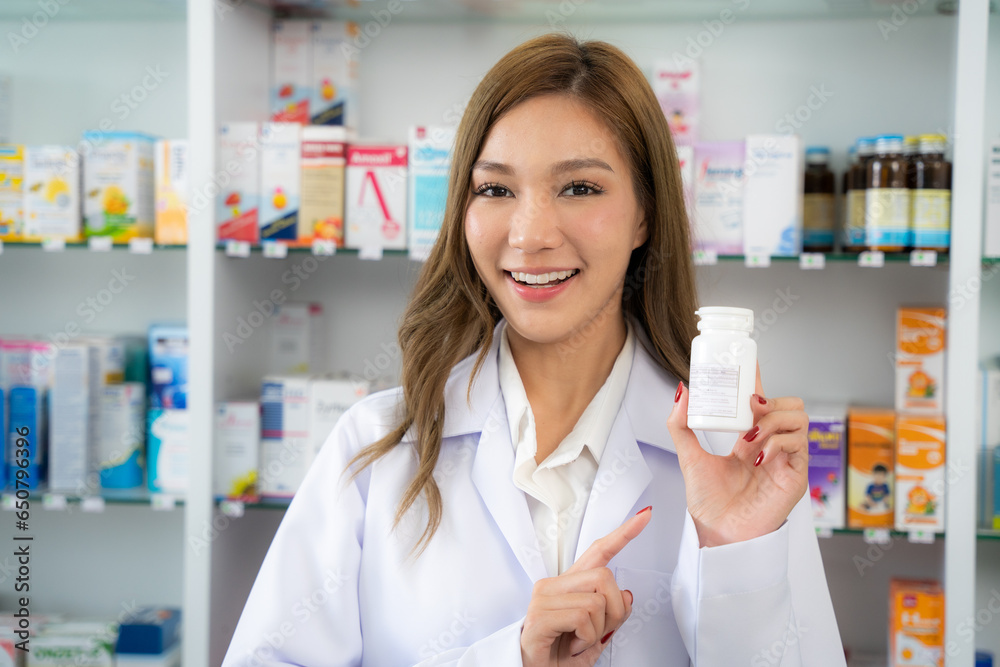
[
  {"x": 580, "y": 163},
  {"x": 488, "y": 165}
]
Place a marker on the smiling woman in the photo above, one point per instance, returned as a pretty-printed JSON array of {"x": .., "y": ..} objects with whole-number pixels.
[{"x": 497, "y": 508}]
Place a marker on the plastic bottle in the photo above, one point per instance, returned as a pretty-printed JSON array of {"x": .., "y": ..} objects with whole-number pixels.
[
  {"x": 818, "y": 202},
  {"x": 887, "y": 199},
  {"x": 723, "y": 370},
  {"x": 931, "y": 191}
]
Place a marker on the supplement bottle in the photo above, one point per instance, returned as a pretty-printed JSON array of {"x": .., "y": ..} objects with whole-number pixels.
[
  {"x": 887, "y": 199},
  {"x": 818, "y": 202},
  {"x": 723, "y": 370},
  {"x": 854, "y": 227},
  {"x": 931, "y": 192}
]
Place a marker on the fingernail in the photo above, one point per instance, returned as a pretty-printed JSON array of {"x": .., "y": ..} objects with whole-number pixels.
[
  {"x": 644, "y": 509},
  {"x": 751, "y": 434},
  {"x": 760, "y": 457},
  {"x": 606, "y": 637},
  {"x": 761, "y": 399},
  {"x": 680, "y": 387}
]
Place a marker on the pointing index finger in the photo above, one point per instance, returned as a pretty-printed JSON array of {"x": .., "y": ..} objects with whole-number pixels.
[{"x": 600, "y": 553}]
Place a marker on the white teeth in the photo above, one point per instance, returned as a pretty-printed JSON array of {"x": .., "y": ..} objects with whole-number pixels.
[{"x": 542, "y": 278}]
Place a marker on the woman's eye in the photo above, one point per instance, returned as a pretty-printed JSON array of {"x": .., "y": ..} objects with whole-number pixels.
[
  {"x": 581, "y": 189},
  {"x": 493, "y": 190}
]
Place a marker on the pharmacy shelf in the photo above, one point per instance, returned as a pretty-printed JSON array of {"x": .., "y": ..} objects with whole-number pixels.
[
  {"x": 57, "y": 500},
  {"x": 988, "y": 535},
  {"x": 846, "y": 257},
  {"x": 604, "y": 11},
  {"x": 40, "y": 13},
  {"x": 304, "y": 250},
  {"x": 82, "y": 245}
]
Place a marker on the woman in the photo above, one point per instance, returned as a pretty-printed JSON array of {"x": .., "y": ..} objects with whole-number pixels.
[{"x": 478, "y": 515}]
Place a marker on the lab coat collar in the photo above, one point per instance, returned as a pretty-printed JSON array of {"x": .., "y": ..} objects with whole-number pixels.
[{"x": 647, "y": 402}]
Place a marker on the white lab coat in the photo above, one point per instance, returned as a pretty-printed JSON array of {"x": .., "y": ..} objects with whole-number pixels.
[{"x": 339, "y": 586}]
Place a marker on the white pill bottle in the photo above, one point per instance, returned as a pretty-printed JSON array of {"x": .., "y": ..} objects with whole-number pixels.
[{"x": 723, "y": 370}]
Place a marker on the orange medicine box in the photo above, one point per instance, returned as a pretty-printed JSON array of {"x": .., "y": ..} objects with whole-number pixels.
[
  {"x": 920, "y": 340},
  {"x": 916, "y": 623},
  {"x": 920, "y": 472},
  {"x": 870, "y": 444}
]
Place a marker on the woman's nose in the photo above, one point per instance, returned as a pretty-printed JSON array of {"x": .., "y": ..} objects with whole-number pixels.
[{"x": 534, "y": 225}]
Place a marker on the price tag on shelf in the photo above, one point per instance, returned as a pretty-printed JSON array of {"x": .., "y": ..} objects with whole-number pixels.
[
  {"x": 757, "y": 259},
  {"x": 237, "y": 248},
  {"x": 824, "y": 531},
  {"x": 53, "y": 245},
  {"x": 877, "y": 536},
  {"x": 140, "y": 246},
  {"x": 812, "y": 260},
  {"x": 324, "y": 248},
  {"x": 8, "y": 500},
  {"x": 232, "y": 508},
  {"x": 163, "y": 502},
  {"x": 93, "y": 504},
  {"x": 923, "y": 258},
  {"x": 1, "y": 247},
  {"x": 921, "y": 536},
  {"x": 275, "y": 250},
  {"x": 874, "y": 259},
  {"x": 705, "y": 258},
  {"x": 99, "y": 243},
  {"x": 54, "y": 501},
  {"x": 370, "y": 252}
]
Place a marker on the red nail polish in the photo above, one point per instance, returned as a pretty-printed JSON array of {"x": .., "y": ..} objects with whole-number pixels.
[
  {"x": 644, "y": 509},
  {"x": 680, "y": 387},
  {"x": 761, "y": 399},
  {"x": 760, "y": 457},
  {"x": 607, "y": 637},
  {"x": 751, "y": 434}
]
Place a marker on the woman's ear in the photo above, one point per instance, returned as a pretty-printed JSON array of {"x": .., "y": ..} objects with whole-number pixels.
[{"x": 641, "y": 233}]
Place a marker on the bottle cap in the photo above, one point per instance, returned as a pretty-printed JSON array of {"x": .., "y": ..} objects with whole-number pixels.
[
  {"x": 866, "y": 146},
  {"x": 724, "y": 317},
  {"x": 889, "y": 143},
  {"x": 817, "y": 155},
  {"x": 932, "y": 143}
]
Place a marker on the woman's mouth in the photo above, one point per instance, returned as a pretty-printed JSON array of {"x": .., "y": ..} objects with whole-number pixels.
[{"x": 542, "y": 280}]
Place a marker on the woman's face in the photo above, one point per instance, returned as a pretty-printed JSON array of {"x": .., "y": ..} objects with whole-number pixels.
[{"x": 553, "y": 219}]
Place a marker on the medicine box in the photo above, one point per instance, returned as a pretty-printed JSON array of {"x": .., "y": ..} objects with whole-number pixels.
[
  {"x": 168, "y": 450},
  {"x": 51, "y": 193},
  {"x": 168, "y": 366},
  {"x": 52, "y": 649},
  {"x": 871, "y": 441},
  {"x": 333, "y": 76},
  {"x": 291, "y": 59},
  {"x": 916, "y": 623},
  {"x": 685, "y": 159},
  {"x": 329, "y": 399},
  {"x": 676, "y": 86},
  {"x": 298, "y": 338},
  {"x": 280, "y": 181},
  {"x": 121, "y": 440},
  {"x": 237, "y": 210},
  {"x": 171, "y": 173},
  {"x": 991, "y": 237},
  {"x": 237, "y": 449},
  {"x": 26, "y": 429},
  {"x": 990, "y": 405},
  {"x": 69, "y": 419},
  {"x": 920, "y": 347},
  {"x": 920, "y": 473},
  {"x": 774, "y": 174},
  {"x": 717, "y": 224},
  {"x": 11, "y": 192},
  {"x": 430, "y": 159},
  {"x": 376, "y": 197},
  {"x": 118, "y": 185},
  {"x": 996, "y": 488},
  {"x": 149, "y": 630},
  {"x": 827, "y": 457},
  {"x": 286, "y": 451},
  {"x": 324, "y": 159}
]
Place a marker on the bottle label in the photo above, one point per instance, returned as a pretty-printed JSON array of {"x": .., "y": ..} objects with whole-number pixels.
[
  {"x": 931, "y": 218},
  {"x": 714, "y": 390},
  {"x": 887, "y": 217},
  {"x": 854, "y": 229},
  {"x": 817, "y": 213}
]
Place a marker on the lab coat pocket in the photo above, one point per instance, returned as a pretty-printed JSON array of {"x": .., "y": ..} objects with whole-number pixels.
[{"x": 650, "y": 635}]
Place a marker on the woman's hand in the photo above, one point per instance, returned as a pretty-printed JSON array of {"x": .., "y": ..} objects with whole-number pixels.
[
  {"x": 571, "y": 617},
  {"x": 750, "y": 492}
]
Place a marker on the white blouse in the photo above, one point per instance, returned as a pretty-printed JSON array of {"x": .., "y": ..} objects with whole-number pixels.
[{"x": 558, "y": 488}]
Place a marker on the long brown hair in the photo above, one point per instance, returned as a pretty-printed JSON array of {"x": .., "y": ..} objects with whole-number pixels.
[{"x": 451, "y": 315}]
